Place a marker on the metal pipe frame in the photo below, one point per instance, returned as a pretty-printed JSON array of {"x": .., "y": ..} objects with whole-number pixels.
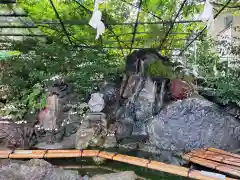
[
  {"x": 172, "y": 24},
  {"x": 60, "y": 20},
  {"x": 136, "y": 25},
  {"x": 201, "y": 32}
]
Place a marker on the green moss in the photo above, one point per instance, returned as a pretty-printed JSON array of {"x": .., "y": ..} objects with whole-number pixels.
[{"x": 159, "y": 69}]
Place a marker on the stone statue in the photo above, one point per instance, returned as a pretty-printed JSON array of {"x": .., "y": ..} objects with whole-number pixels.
[{"x": 59, "y": 120}]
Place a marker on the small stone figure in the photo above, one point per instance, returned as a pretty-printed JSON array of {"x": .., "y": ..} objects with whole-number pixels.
[{"x": 95, "y": 128}]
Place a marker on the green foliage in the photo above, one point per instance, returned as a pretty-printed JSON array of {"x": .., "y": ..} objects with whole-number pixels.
[
  {"x": 115, "y": 12},
  {"x": 228, "y": 88},
  {"x": 224, "y": 80},
  {"x": 26, "y": 74},
  {"x": 158, "y": 69}
]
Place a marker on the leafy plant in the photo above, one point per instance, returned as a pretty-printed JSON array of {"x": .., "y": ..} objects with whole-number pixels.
[
  {"x": 26, "y": 74},
  {"x": 224, "y": 80}
]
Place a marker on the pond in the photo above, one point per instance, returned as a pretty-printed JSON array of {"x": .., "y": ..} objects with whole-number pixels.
[{"x": 86, "y": 166}]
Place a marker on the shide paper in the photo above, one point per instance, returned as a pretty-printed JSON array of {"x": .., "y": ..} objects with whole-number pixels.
[
  {"x": 208, "y": 17},
  {"x": 95, "y": 20}
]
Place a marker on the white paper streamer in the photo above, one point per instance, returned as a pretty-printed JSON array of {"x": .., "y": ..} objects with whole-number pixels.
[
  {"x": 208, "y": 17},
  {"x": 95, "y": 20}
]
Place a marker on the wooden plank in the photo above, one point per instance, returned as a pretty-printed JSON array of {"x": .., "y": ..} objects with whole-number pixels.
[
  {"x": 228, "y": 169},
  {"x": 224, "y": 152},
  {"x": 214, "y": 156}
]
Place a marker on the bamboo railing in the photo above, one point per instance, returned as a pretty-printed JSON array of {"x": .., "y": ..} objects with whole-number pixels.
[
  {"x": 155, "y": 165},
  {"x": 217, "y": 159}
]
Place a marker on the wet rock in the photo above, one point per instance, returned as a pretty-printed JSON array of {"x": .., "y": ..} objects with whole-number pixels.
[
  {"x": 191, "y": 124},
  {"x": 126, "y": 175},
  {"x": 110, "y": 92},
  {"x": 84, "y": 178},
  {"x": 16, "y": 136},
  {"x": 35, "y": 169},
  {"x": 124, "y": 130},
  {"x": 145, "y": 102},
  {"x": 99, "y": 160},
  {"x": 66, "y": 143},
  {"x": 84, "y": 137}
]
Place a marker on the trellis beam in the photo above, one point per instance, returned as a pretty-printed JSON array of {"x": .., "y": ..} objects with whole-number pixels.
[
  {"x": 148, "y": 12},
  {"x": 17, "y": 26},
  {"x": 157, "y": 33},
  {"x": 136, "y": 25},
  {"x": 77, "y": 22},
  {"x": 7, "y": 2},
  {"x": 61, "y": 22},
  {"x": 106, "y": 47},
  {"x": 106, "y": 25},
  {"x": 29, "y": 35},
  {"x": 172, "y": 24},
  {"x": 152, "y": 40},
  {"x": 115, "y": 47},
  {"x": 13, "y": 15}
]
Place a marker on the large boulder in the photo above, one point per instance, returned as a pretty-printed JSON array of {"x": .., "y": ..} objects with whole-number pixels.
[{"x": 193, "y": 123}]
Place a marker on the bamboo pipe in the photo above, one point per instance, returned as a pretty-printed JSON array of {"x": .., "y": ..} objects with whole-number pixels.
[{"x": 172, "y": 169}]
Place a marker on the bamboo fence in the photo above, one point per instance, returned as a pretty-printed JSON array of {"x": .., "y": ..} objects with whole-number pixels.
[{"x": 155, "y": 165}]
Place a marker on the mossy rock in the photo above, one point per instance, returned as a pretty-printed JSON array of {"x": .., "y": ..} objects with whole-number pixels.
[{"x": 160, "y": 69}]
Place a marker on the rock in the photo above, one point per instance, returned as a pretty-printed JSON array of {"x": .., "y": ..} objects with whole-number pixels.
[
  {"x": 110, "y": 92},
  {"x": 84, "y": 178},
  {"x": 148, "y": 56},
  {"x": 60, "y": 119},
  {"x": 84, "y": 137},
  {"x": 126, "y": 175},
  {"x": 129, "y": 86},
  {"x": 191, "y": 124},
  {"x": 35, "y": 169},
  {"x": 96, "y": 103},
  {"x": 144, "y": 104},
  {"x": 92, "y": 131},
  {"x": 66, "y": 143},
  {"x": 124, "y": 130},
  {"x": 99, "y": 160},
  {"x": 16, "y": 136}
]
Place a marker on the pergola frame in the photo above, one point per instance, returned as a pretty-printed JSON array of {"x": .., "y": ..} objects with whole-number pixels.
[{"x": 135, "y": 25}]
